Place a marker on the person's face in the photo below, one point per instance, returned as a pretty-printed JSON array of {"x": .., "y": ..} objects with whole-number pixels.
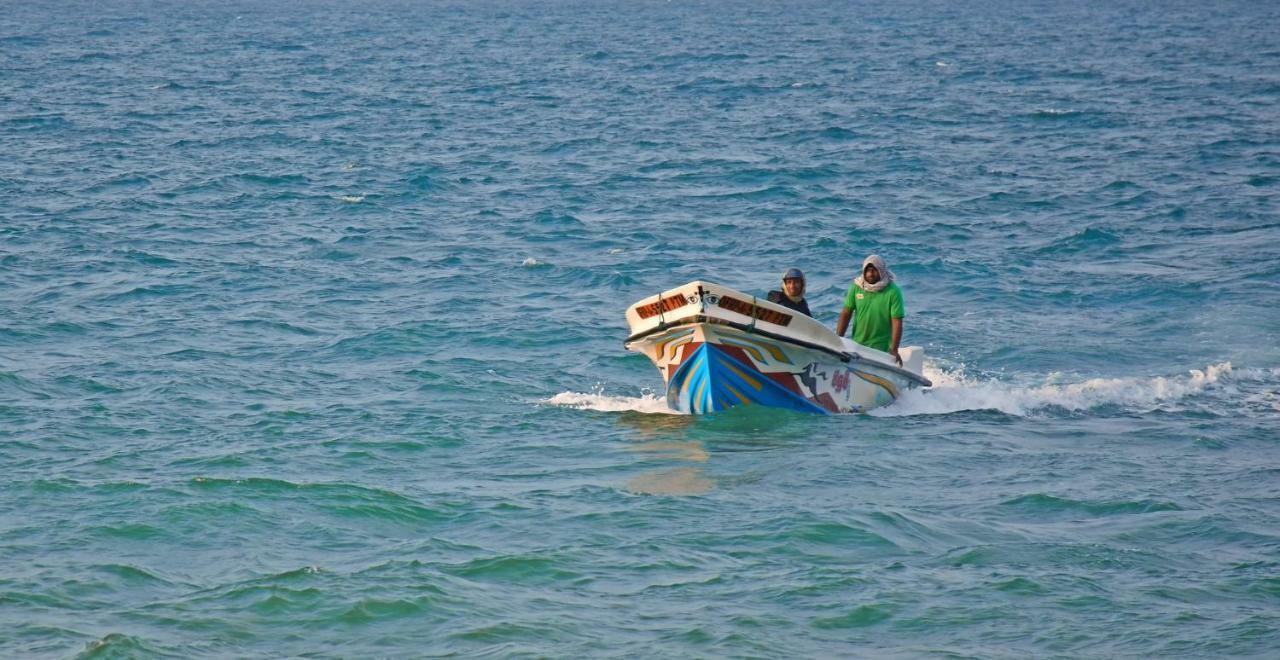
[
  {"x": 793, "y": 286},
  {"x": 871, "y": 274}
]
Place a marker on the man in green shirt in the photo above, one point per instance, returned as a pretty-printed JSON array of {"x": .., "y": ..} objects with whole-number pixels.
[{"x": 875, "y": 303}]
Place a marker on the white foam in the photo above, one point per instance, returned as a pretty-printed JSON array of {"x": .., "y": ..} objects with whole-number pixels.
[
  {"x": 352, "y": 199},
  {"x": 530, "y": 262},
  {"x": 645, "y": 403},
  {"x": 952, "y": 391}
]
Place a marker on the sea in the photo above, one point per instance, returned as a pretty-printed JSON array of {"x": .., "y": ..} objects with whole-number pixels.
[{"x": 312, "y": 322}]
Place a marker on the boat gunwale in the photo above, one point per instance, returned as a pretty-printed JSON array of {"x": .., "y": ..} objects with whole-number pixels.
[{"x": 843, "y": 356}]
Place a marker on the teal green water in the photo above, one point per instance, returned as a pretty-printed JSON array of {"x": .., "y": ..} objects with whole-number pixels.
[{"x": 311, "y": 323}]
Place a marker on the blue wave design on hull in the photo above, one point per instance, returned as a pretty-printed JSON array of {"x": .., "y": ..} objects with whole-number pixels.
[{"x": 711, "y": 380}]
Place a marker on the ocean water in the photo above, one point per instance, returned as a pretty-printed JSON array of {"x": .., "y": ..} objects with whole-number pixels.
[{"x": 311, "y": 321}]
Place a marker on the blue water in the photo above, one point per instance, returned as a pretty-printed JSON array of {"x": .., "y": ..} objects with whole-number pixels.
[{"x": 311, "y": 321}]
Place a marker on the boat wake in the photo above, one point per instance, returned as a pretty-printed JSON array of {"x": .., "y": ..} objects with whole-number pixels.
[
  {"x": 953, "y": 391},
  {"x": 645, "y": 403}
]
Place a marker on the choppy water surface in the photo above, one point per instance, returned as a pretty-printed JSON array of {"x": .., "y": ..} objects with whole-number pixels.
[{"x": 312, "y": 322}]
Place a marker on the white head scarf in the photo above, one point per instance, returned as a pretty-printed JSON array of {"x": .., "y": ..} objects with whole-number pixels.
[{"x": 886, "y": 275}]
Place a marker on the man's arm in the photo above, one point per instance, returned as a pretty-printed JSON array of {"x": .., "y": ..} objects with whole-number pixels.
[
  {"x": 897, "y": 337},
  {"x": 843, "y": 323}
]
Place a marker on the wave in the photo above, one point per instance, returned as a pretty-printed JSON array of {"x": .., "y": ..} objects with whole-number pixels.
[
  {"x": 953, "y": 391},
  {"x": 1056, "y": 113},
  {"x": 120, "y": 645},
  {"x": 1041, "y": 504}
]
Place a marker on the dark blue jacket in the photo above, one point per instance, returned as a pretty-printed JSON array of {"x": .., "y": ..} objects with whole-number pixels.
[{"x": 782, "y": 299}]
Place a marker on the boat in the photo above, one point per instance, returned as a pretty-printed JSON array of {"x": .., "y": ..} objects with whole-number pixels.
[{"x": 719, "y": 348}]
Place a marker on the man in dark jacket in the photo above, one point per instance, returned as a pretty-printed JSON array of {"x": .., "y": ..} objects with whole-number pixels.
[{"x": 792, "y": 294}]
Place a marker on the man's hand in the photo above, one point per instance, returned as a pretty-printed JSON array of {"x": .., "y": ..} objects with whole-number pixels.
[{"x": 897, "y": 337}]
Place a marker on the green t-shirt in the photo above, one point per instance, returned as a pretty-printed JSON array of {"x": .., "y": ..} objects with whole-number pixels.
[{"x": 872, "y": 312}]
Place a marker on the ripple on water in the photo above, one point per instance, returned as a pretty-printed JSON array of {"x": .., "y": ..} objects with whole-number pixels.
[
  {"x": 861, "y": 616},
  {"x": 319, "y": 351},
  {"x": 344, "y": 501},
  {"x": 524, "y": 569},
  {"x": 1040, "y": 505}
]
